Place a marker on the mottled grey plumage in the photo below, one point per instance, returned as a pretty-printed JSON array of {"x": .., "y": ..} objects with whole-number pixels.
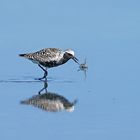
[
  {"x": 50, "y": 57},
  {"x": 50, "y": 102}
]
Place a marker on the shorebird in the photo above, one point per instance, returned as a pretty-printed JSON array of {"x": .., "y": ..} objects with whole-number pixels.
[{"x": 50, "y": 57}]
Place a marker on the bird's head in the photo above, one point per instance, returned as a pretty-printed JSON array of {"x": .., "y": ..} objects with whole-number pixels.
[{"x": 69, "y": 54}]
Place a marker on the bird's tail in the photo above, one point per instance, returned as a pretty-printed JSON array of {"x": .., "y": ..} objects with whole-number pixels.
[
  {"x": 28, "y": 56},
  {"x": 22, "y": 55}
]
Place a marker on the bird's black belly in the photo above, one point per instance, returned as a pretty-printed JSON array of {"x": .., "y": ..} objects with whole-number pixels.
[{"x": 50, "y": 64}]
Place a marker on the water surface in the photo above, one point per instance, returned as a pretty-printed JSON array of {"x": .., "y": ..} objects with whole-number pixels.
[{"x": 106, "y": 34}]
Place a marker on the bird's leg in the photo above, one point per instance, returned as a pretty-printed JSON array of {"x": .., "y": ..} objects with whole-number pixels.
[
  {"x": 42, "y": 68},
  {"x": 44, "y": 77},
  {"x": 45, "y": 73}
]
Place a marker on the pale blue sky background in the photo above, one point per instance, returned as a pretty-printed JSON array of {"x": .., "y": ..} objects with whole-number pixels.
[{"x": 107, "y": 33}]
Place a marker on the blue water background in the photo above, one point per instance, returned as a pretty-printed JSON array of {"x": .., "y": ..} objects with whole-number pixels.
[{"x": 107, "y": 34}]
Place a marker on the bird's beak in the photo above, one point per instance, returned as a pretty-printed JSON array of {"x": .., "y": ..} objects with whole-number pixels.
[{"x": 76, "y": 60}]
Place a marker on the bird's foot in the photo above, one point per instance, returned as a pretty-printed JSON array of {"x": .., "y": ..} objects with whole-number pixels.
[{"x": 44, "y": 77}]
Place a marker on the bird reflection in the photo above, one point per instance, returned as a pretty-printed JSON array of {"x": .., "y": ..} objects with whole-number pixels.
[
  {"x": 50, "y": 102},
  {"x": 83, "y": 67}
]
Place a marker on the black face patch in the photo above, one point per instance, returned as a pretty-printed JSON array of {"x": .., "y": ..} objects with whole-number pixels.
[{"x": 68, "y": 55}]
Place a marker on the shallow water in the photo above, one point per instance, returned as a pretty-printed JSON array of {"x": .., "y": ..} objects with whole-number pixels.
[{"x": 107, "y": 94}]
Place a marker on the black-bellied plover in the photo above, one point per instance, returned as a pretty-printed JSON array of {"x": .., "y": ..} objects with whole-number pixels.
[{"x": 50, "y": 57}]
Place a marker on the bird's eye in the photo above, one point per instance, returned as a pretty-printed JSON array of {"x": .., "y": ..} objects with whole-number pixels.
[{"x": 70, "y": 54}]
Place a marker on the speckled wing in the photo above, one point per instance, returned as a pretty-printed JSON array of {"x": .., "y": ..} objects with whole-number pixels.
[{"x": 47, "y": 55}]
